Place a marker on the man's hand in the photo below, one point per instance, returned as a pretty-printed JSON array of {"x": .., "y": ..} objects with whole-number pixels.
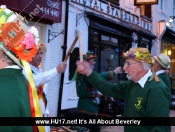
[
  {"x": 84, "y": 68},
  {"x": 117, "y": 70},
  {"x": 61, "y": 67}
]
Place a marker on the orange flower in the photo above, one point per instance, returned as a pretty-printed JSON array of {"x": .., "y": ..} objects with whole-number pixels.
[{"x": 27, "y": 54}]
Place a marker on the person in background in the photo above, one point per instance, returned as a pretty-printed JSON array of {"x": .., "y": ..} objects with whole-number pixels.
[
  {"x": 42, "y": 89},
  {"x": 144, "y": 94},
  {"x": 14, "y": 95},
  {"x": 14, "y": 88},
  {"x": 21, "y": 47},
  {"x": 87, "y": 103},
  {"x": 161, "y": 65}
]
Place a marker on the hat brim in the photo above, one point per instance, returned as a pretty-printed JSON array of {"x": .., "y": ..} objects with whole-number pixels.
[
  {"x": 158, "y": 61},
  {"x": 43, "y": 49}
]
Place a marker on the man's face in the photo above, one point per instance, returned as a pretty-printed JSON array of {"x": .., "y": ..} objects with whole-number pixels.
[
  {"x": 37, "y": 59},
  {"x": 131, "y": 67},
  {"x": 92, "y": 62}
]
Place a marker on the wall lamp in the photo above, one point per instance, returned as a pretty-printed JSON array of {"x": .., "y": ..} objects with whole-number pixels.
[
  {"x": 171, "y": 18},
  {"x": 170, "y": 22}
]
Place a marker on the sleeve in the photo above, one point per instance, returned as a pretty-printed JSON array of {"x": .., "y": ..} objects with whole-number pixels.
[
  {"x": 42, "y": 77},
  {"x": 107, "y": 75},
  {"x": 117, "y": 90}
]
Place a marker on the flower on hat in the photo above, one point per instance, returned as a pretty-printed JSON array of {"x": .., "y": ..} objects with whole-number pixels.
[
  {"x": 34, "y": 31},
  {"x": 4, "y": 14},
  {"x": 140, "y": 54},
  {"x": 16, "y": 36},
  {"x": 88, "y": 55},
  {"x": 29, "y": 40}
]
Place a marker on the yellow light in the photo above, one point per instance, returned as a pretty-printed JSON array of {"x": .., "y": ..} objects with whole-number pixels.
[{"x": 169, "y": 52}]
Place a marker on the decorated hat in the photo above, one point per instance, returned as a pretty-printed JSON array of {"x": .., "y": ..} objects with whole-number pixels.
[
  {"x": 139, "y": 54},
  {"x": 43, "y": 48},
  {"x": 163, "y": 60},
  {"x": 16, "y": 37},
  {"x": 89, "y": 55}
]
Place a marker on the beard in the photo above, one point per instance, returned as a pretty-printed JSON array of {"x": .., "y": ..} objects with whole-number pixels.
[{"x": 131, "y": 77}]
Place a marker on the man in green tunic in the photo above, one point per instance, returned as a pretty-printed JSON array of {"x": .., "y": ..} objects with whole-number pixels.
[
  {"x": 161, "y": 64},
  {"x": 14, "y": 96},
  {"x": 87, "y": 103},
  {"x": 144, "y": 96},
  {"x": 17, "y": 42}
]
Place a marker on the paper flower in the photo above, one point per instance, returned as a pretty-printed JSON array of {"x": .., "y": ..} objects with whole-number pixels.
[
  {"x": 139, "y": 54},
  {"x": 34, "y": 31},
  {"x": 29, "y": 40}
]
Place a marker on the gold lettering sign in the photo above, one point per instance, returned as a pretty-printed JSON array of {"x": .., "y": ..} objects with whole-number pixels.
[{"x": 144, "y": 2}]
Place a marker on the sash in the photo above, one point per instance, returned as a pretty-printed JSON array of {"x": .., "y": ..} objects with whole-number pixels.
[{"x": 34, "y": 100}]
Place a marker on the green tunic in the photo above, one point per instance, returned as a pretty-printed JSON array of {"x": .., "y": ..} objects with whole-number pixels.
[
  {"x": 166, "y": 80},
  {"x": 87, "y": 94},
  {"x": 14, "y": 98},
  {"x": 150, "y": 101}
]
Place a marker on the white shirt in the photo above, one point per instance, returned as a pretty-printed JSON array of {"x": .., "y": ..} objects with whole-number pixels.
[
  {"x": 40, "y": 78},
  {"x": 143, "y": 80},
  {"x": 159, "y": 72}
]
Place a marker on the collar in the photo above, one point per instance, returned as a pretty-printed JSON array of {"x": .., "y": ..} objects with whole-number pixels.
[
  {"x": 35, "y": 69},
  {"x": 159, "y": 72},
  {"x": 143, "y": 80},
  {"x": 14, "y": 67}
]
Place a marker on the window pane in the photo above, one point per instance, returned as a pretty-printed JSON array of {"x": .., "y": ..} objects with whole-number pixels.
[{"x": 95, "y": 36}]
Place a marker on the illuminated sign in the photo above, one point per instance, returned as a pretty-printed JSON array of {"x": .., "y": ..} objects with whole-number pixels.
[
  {"x": 144, "y": 2},
  {"x": 116, "y": 13}
]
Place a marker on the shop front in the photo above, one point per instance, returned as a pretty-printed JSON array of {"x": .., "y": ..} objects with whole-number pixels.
[
  {"x": 168, "y": 48},
  {"x": 107, "y": 30}
]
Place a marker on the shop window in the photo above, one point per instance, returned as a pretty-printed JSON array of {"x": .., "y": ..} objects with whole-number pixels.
[
  {"x": 144, "y": 45},
  {"x": 96, "y": 36},
  {"x": 109, "y": 39},
  {"x": 166, "y": 49},
  {"x": 145, "y": 10}
]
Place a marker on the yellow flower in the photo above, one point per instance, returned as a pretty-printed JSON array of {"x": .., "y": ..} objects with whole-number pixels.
[
  {"x": 2, "y": 19},
  {"x": 137, "y": 54}
]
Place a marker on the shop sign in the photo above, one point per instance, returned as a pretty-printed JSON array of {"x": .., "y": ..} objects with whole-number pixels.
[
  {"x": 144, "y": 2},
  {"x": 116, "y": 12},
  {"x": 47, "y": 9}
]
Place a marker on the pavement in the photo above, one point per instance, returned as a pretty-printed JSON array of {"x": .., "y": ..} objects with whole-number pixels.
[{"x": 121, "y": 128}]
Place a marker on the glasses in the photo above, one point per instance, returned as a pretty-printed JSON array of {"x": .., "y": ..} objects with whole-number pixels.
[{"x": 128, "y": 64}]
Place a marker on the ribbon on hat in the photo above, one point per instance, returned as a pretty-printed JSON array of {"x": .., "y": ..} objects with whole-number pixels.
[{"x": 34, "y": 100}]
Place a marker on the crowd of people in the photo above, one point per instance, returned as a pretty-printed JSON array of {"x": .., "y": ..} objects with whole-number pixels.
[{"x": 146, "y": 93}]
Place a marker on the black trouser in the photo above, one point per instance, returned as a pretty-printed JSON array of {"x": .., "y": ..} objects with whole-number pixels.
[{"x": 92, "y": 128}]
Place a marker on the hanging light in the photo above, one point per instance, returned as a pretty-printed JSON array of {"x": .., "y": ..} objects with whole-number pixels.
[
  {"x": 171, "y": 21},
  {"x": 169, "y": 52}
]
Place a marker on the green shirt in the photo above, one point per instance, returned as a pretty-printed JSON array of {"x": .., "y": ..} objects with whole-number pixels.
[
  {"x": 166, "y": 79},
  {"x": 14, "y": 98},
  {"x": 150, "y": 101},
  {"x": 87, "y": 93}
]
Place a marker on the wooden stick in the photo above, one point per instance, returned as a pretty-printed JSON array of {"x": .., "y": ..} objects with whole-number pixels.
[
  {"x": 80, "y": 45},
  {"x": 70, "y": 49}
]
